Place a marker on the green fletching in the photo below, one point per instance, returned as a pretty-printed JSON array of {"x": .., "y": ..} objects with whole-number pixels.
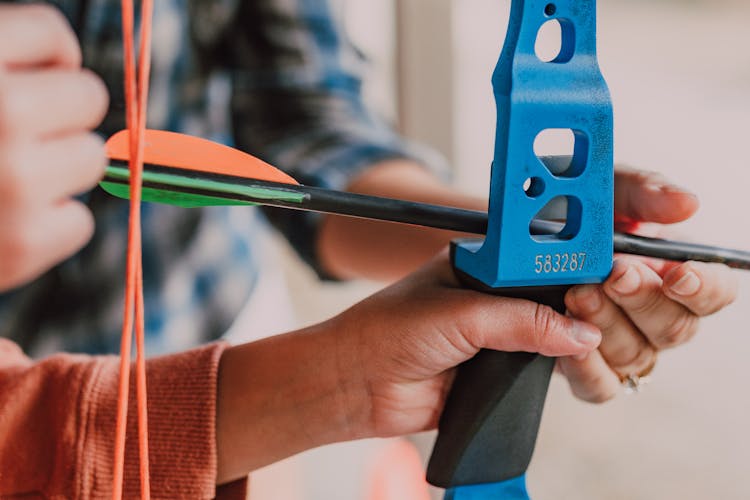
[
  {"x": 187, "y": 200},
  {"x": 174, "y": 198}
]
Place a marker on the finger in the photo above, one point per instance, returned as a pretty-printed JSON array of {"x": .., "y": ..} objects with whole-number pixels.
[
  {"x": 33, "y": 244},
  {"x": 590, "y": 378},
  {"x": 702, "y": 288},
  {"x": 623, "y": 347},
  {"x": 46, "y": 103},
  {"x": 659, "y": 266},
  {"x": 649, "y": 197},
  {"x": 637, "y": 289},
  {"x": 36, "y": 35},
  {"x": 50, "y": 171},
  {"x": 501, "y": 323},
  {"x": 514, "y": 325}
]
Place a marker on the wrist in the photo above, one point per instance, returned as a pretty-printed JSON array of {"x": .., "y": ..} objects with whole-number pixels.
[
  {"x": 357, "y": 248},
  {"x": 280, "y": 396},
  {"x": 409, "y": 180}
]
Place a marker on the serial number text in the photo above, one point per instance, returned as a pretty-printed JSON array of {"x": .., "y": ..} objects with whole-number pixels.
[{"x": 559, "y": 263}]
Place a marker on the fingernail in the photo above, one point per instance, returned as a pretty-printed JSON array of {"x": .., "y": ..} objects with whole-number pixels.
[
  {"x": 627, "y": 283},
  {"x": 687, "y": 285},
  {"x": 674, "y": 188},
  {"x": 585, "y": 334},
  {"x": 660, "y": 189},
  {"x": 667, "y": 188},
  {"x": 589, "y": 299}
]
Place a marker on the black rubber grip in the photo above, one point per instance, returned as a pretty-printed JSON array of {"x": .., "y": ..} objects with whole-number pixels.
[{"x": 489, "y": 426}]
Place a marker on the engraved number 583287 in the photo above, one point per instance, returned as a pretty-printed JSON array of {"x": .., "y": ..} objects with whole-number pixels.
[{"x": 559, "y": 263}]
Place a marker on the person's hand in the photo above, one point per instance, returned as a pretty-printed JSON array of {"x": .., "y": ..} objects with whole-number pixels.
[
  {"x": 402, "y": 344},
  {"x": 48, "y": 105},
  {"x": 646, "y": 305},
  {"x": 381, "y": 368}
]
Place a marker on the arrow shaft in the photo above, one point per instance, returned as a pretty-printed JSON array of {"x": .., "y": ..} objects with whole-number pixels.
[{"x": 244, "y": 191}]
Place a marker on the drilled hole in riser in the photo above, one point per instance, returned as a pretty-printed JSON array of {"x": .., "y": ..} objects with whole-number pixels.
[
  {"x": 550, "y": 9},
  {"x": 533, "y": 187}
]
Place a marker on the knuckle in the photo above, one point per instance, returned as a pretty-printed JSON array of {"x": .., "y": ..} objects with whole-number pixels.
[
  {"x": 601, "y": 396},
  {"x": 10, "y": 111},
  {"x": 3, "y": 107},
  {"x": 94, "y": 154},
  {"x": 44, "y": 14},
  {"x": 606, "y": 321},
  {"x": 628, "y": 359},
  {"x": 92, "y": 144},
  {"x": 472, "y": 323},
  {"x": 52, "y": 20},
  {"x": 38, "y": 14},
  {"x": 81, "y": 223},
  {"x": 86, "y": 226},
  {"x": 645, "y": 302},
  {"x": 594, "y": 388},
  {"x": 731, "y": 294},
  {"x": 647, "y": 177},
  {"x": 16, "y": 248},
  {"x": 10, "y": 275},
  {"x": 706, "y": 306},
  {"x": 679, "y": 331},
  {"x": 15, "y": 184},
  {"x": 715, "y": 297},
  {"x": 546, "y": 323},
  {"x": 97, "y": 96}
]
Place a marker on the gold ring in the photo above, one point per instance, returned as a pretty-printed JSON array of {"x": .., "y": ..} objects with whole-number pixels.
[{"x": 634, "y": 382}]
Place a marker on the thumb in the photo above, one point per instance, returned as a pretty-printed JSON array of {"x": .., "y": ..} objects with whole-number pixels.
[{"x": 514, "y": 325}]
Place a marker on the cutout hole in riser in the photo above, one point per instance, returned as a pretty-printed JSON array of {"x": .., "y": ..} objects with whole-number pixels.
[
  {"x": 564, "y": 152},
  {"x": 555, "y": 41},
  {"x": 566, "y": 212}
]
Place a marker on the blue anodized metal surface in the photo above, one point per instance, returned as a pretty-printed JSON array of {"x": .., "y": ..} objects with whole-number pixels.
[
  {"x": 568, "y": 92},
  {"x": 513, "y": 489}
]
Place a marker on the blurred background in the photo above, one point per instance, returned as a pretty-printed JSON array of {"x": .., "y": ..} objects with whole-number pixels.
[{"x": 679, "y": 73}]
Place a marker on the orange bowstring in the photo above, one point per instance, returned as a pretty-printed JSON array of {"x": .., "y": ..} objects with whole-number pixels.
[{"x": 136, "y": 97}]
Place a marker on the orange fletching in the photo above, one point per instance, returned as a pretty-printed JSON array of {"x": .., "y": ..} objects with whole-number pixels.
[{"x": 170, "y": 149}]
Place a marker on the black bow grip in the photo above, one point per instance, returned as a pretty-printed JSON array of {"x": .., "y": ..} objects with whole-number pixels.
[{"x": 489, "y": 425}]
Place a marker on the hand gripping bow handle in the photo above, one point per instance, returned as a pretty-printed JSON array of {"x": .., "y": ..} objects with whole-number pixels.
[{"x": 489, "y": 426}]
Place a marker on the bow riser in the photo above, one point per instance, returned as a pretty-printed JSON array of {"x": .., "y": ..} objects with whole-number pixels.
[{"x": 488, "y": 428}]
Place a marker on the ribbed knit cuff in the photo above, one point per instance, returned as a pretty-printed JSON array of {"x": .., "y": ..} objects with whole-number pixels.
[{"x": 182, "y": 427}]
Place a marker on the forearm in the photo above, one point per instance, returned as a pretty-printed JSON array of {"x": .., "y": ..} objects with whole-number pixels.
[
  {"x": 359, "y": 248},
  {"x": 284, "y": 395},
  {"x": 219, "y": 413},
  {"x": 57, "y": 423}
]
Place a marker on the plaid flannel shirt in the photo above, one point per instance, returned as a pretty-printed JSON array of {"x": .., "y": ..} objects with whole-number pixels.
[{"x": 272, "y": 77}]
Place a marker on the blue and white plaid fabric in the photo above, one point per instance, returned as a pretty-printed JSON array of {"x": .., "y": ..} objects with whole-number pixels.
[{"x": 272, "y": 77}]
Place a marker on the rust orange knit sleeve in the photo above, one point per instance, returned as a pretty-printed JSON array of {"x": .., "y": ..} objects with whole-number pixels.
[{"x": 57, "y": 422}]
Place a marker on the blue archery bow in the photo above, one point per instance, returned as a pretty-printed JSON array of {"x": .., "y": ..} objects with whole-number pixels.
[{"x": 489, "y": 426}]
